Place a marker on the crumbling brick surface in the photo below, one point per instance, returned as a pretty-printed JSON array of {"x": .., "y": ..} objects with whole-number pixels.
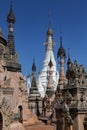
[{"x": 41, "y": 127}]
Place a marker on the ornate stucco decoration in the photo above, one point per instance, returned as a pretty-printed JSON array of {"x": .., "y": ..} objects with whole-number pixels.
[{"x": 5, "y": 110}]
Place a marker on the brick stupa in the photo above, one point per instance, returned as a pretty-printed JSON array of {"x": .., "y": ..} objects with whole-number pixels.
[{"x": 13, "y": 94}]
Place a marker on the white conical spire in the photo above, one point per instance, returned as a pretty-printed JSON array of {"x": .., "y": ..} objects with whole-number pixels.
[
  {"x": 42, "y": 85},
  {"x": 28, "y": 83}
]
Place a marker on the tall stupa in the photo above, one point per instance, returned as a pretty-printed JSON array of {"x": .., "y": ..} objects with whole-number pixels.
[{"x": 42, "y": 77}]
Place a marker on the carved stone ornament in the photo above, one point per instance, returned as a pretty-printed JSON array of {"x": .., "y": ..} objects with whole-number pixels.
[
  {"x": 76, "y": 74},
  {"x": 22, "y": 83},
  {"x": 5, "y": 110}
]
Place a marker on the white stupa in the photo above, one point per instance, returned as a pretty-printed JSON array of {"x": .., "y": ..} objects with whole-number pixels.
[{"x": 42, "y": 78}]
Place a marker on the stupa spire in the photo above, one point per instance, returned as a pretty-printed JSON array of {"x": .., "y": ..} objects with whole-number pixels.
[
  {"x": 33, "y": 66},
  {"x": 61, "y": 51},
  {"x": 69, "y": 59},
  {"x": 61, "y": 54},
  {"x": 34, "y": 95},
  {"x": 11, "y": 21},
  {"x": 49, "y": 58},
  {"x": 49, "y": 42},
  {"x": 49, "y": 16}
]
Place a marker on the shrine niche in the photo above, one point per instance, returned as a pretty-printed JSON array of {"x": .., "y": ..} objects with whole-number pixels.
[
  {"x": 1, "y": 121},
  {"x": 20, "y": 114}
]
